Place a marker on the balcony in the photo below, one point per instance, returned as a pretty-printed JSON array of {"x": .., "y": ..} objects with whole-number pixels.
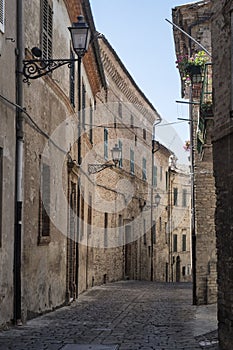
[
  {"x": 206, "y": 107},
  {"x": 206, "y": 103}
]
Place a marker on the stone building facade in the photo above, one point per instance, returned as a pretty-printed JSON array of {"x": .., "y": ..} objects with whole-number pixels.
[
  {"x": 222, "y": 154},
  {"x": 194, "y": 19},
  {"x": 74, "y": 229},
  {"x": 55, "y": 260},
  {"x": 8, "y": 44},
  {"x": 178, "y": 228},
  {"x": 129, "y": 117}
]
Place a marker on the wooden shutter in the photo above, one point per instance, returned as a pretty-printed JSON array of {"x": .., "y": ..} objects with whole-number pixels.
[{"x": 46, "y": 29}]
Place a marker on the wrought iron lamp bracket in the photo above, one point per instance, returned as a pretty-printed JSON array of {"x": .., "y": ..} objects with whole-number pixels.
[
  {"x": 36, "y": 68},
  {"x": 96, "y": 168}
]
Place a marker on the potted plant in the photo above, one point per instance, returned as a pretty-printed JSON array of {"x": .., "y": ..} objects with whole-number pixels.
[
  {"x": 191, "y": 66},
  {"x": 206, "y": 109}
]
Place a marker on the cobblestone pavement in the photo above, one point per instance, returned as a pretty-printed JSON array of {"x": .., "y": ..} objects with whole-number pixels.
[{"x": 123, "y": 315}]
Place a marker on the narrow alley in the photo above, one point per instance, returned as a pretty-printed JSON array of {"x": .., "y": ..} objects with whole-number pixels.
[{"x": 122, "y": 315}]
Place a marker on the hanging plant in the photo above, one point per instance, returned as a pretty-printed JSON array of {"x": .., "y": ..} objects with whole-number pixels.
[{"x": 190, "y": 66}]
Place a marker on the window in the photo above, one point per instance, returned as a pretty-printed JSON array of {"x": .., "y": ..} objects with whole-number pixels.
[
  {"x": 184, "y": 243},
  {"x": 144, "y": 168},
  {"x": 161, "y": 173},
  {"x": 160, "y": 224},
  {"x": 183, "y": 270},
  {"x": 44, "y": 221},
  {"x": 174, "y": 243},
  {"x": 120, "y": 230},
  {"x": 1, "y": 191},
  {"x": 89, "y": 215},
  {"x": 84, "y": 106},
  {"x": 135, "y": 140},
  {"x": 121, "y": 159},
  {"x": 144, "y": 134},
  {"x": 82, "y": 214},
  {"x": 166, "y": 232},
  {"x": 154, "y": 180},
  {"x": 167, "y": 179},
  {"x": 106, "y": 144},
  {"x": 91, "y": 124},
  {"x": 2, "y": 16},
  {"x": 184, "y": 198},
  {"x": 131, "y": 121},
  {"x": 175, "y": 196},
  {"x": 154, "y": 232},
  {"x": 72, "y": 80},
  {"x": 144, "y": 231},
  {"x": 46, "y": 29},
  {"x": 131, "y": 161},
  {"x": 105, "y": 230},
  {"x": 120, "y": 109}
]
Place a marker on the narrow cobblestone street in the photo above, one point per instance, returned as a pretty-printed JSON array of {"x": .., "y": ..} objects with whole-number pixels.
[{"x": 122, "y": 315}]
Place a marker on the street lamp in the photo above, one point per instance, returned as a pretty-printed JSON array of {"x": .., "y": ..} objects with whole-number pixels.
[
  {"x": 116, "y": 155},
  {"x": 37, "y": 67},
  {"x": 80, "y": 35},
  {"x": 157, "y": 199}
]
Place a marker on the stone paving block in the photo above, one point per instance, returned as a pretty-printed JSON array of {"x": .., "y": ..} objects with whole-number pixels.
[
  {"x": 133, "y": 315},
  {"x": 89, "y": 347}
]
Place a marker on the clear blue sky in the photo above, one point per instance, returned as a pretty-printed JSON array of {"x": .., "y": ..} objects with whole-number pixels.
[{"x": 143, "y": 40}]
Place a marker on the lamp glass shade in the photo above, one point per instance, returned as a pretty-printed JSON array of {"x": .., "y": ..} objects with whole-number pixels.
[
  {"x": 157, "y": 199},
  {"x": 116, "y": 154},
  {"x": 80, "y": 35}
]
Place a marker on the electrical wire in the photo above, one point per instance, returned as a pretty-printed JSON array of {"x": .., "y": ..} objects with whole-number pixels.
[{"x": 34, "y": 124}]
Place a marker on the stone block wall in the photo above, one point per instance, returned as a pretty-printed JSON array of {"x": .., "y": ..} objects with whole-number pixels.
[{"x": 223, "y": 168}]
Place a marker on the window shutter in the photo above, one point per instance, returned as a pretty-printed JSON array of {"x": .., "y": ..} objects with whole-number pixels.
[
  {"x": 45, "y": 195},
  {"x": 2, "y": 16},
  {"x": 144, "y": 168},
  {"x": 47, "y": 29},
  {"x": 131, "y": 161},
  {"x": 105, "y": 144}
]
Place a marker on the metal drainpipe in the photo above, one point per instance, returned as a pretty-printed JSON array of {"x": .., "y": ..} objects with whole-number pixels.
[
  {"x": 19, "y": 165},
  {"x": 193, "y": 229},
  {"x": 152, "y": 193}
]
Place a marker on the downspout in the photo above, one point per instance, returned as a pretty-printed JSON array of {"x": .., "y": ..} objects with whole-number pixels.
[
  {"x": 19, "y": 165},
  {"x": 152, "y": 195},
  {"x": 193, "y": 209}
]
